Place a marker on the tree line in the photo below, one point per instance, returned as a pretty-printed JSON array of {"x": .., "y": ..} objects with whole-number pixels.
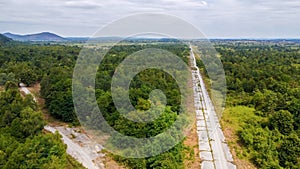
[{"x": 265, "y": 76}]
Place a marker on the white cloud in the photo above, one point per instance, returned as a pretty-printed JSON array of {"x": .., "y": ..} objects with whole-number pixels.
[
  {"x": 82, "y": 4},
  {"x": 185, "y": 3},
  {"x": 216, "y": 18}
]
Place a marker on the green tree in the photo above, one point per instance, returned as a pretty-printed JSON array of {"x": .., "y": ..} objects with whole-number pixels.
[
  {"x": 283, "y": 121},
  {"x": 38, "y": 152},
  {"x": 28, "y": 124},
  {"x": 8, "y": 145},
  {"x": 265, "y": 101},
  {"x": 289, "y": 152}
]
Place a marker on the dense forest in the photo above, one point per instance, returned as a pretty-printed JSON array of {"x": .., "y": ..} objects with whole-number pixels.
[
  {"x": 262, "y": 87},
  {"x": 52, "y": 66},
  {"x": 23, "y": 142},
  {"x": 264, "y": 76},
  {"x": 139, "y": 91}
]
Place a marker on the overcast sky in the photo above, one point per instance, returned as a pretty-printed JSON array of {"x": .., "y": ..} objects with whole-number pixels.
[{"x": 215, "y": 18}]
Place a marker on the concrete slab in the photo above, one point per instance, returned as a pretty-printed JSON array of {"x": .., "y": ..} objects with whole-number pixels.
[
  {"x": 231, "y": 165},
  {"x": 218, "y": 165},
  {"x": 211, "y": 133},
  {"x": 206, "y": 116},
  {"x": 202, "y": 136},
  {"x": 200, "y": 117},
  {"x": 204, "y": 146},
  {"x": 199, "y": 112},
  {"x": 221, "y": 135},
  {"x": 201, "y": 128},
  {"x": 201, "y": 123},
  {"x": 206, "y": 156},
  {"x": 207, "y": 165},
  {"x": 227, "y": 152}
]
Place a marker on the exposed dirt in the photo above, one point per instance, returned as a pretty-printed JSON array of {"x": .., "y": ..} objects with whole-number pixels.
[
  {"x": 23, "y": 94},
  {"x": 192, "y": 137},
  {"x": 80, "y": 146},
  {"x": 111, "y": 164},
  {"x": 192, "y": 161},
  {"x": 35, "y": 90}
]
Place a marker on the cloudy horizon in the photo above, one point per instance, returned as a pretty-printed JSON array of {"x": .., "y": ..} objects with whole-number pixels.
[{"x": 215, "y": 18}]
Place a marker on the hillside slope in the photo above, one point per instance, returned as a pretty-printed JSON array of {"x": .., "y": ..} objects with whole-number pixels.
[
  {"x": 4, "y": 39},
  {"x": 44, "y": 36}
]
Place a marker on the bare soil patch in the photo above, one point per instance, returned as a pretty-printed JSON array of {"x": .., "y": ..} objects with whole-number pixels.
[{"x": 192, "y": 160}]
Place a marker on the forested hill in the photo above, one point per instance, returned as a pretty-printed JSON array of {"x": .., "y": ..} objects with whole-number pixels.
[
  {"x": 44, "y": 36},
  {"x": 4, "y": 39}
]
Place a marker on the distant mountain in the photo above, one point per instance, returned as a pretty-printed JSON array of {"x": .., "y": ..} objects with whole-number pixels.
[
  {"x": 44, "y": 36},
  {"x": 4, "y": 39}
]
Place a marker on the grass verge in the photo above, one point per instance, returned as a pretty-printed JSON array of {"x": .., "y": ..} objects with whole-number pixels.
[{"x": 233, "y": 120}]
